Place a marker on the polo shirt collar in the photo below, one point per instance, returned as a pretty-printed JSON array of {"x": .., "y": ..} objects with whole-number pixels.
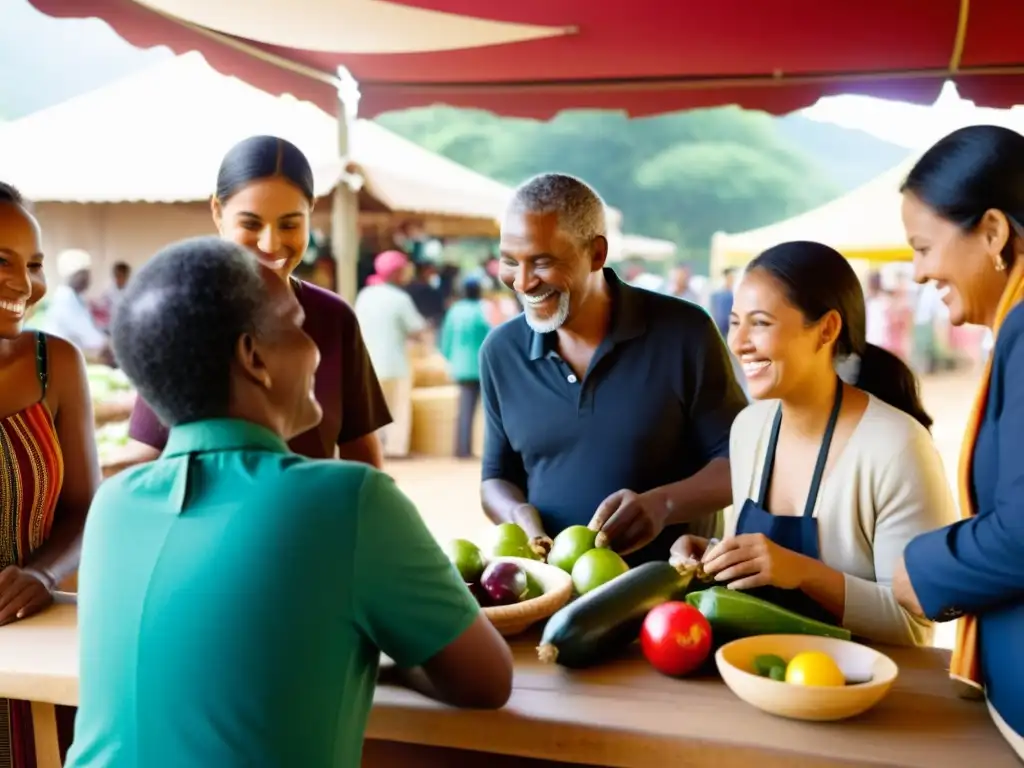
[
  {"x": 628, "y": 321},
  {"x": 213, "y": 435}
]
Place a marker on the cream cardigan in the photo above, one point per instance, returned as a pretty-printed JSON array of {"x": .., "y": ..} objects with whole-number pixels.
[{"x": 887, "y": 486}]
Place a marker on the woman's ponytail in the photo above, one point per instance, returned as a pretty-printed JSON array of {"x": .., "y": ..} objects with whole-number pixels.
[{"x": 887, "y": 377}]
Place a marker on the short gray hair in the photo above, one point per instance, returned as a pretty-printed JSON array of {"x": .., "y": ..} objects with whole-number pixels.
[
  {"x": 177, "y": 326},
  {"x": 580, "y": 209}
]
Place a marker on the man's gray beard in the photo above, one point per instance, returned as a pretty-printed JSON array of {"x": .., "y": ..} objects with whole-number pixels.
[{"x": 552, "y": 323}]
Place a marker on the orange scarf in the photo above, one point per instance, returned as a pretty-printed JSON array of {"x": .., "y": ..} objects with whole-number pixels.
[{"x": 964, "y": 667}]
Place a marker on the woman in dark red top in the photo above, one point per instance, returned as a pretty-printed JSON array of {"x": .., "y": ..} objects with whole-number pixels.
[{"x": 263, "y": 201}]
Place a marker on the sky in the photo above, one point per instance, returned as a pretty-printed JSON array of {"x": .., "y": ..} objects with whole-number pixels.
[{"x": 911, "y": 125}]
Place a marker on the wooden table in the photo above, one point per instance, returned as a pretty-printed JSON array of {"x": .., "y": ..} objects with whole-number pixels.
[
  {"x": 39, "y": 663},
  {"x": 627, "y": 715},
  {"x": 623, "y": 714}
]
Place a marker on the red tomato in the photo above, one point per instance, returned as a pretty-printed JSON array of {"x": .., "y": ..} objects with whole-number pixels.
[{"x": 675, "y": 638}]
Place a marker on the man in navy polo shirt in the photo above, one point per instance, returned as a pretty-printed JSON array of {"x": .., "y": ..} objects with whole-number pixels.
[{"x": 606, "y": 404}]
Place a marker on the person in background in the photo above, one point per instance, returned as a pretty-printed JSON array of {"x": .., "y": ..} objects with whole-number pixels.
[
  {"x": 263, "y": 201},
  {"x": 182, "y": 664},
  {"x": 833, "y": 468},
  {"x": 635, "y": 273},
  {"x": 606, "y": 404},
  {"x": 720, "y": 308},
  {"x": 678, "y": 284},
  {"x": 68, "y": 315},
  {"x": 103, "y": 308},
  {"x": 929, "y": 312},
  {"x": 48, "y": 466},
  {"x": 876, "y": 302},
  {"x": 963, "y": 209},
  {"x": 901, "y": 319},
  {"x": 390, "y": 321},
  {"x": 721, "y": 301},
  {"x": 463, "y": 334},
  {"x": 425, "y": 290}
]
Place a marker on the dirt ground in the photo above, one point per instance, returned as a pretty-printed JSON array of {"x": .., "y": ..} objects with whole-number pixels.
[{"x": 446, "y": 491}]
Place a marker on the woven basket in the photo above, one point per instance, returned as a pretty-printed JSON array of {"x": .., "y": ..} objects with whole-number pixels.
[{"x": 511, "y": 620}]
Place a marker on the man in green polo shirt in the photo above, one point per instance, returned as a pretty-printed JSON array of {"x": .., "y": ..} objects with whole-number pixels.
[{"x": 234, "y": 598}]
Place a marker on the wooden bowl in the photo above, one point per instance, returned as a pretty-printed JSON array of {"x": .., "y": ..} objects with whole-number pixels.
[
  {"x": 511, "y": 620},
  {"x": 735, "y": 662}
]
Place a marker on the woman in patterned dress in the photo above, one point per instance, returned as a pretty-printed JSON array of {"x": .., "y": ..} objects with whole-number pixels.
[{"x": 48, "y": 465}]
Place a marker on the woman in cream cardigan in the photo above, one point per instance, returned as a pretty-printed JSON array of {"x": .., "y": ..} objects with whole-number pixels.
[{"x": 833, "y": 468}]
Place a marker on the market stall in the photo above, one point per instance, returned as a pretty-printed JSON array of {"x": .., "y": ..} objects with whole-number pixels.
[
  {"x": 618, "y": 714},
  {"x": 864, "y": 225},
  {"x": 124, "y": 189},
  {"x": 113, "y": 399}
]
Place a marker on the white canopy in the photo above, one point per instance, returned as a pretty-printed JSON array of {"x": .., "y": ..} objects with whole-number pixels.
[
  {"x": 159, "y": 136},
  {"x": 862, "y": 224}
]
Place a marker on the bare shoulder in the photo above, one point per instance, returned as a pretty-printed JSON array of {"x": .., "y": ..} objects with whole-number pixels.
[
  {"x": 66, "y": 369},
  {"x": 64, "y": 358}
]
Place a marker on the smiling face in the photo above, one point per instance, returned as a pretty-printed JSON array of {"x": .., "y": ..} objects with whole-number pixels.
[
  {"x": 779, "y": 350},
  {"x": 22, "y": 283},
  {"x": 547, "y": 269},
  {"x": 962, "y": 264},
  {"x": 290, "y": 358},
  {"x": 270, "y": 217}
]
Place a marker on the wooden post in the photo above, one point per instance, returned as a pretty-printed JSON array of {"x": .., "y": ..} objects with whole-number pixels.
[{"x": 345, "y": 200}]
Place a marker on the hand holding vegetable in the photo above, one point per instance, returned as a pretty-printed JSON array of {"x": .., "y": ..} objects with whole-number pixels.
[
  {"x": 628, "y": 521},
  {"x": 527, "y": 517},
  {"x": 753, "y": 560},
  {"x": 688, "y": 549}
]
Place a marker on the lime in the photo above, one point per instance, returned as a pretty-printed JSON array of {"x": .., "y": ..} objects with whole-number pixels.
[
  {"x": 534, "y": 589},
  {"x": 569, "y": 545},
  {"x": 509, "y": 540},
  {"x": 467, "y": 559},
  {"x": 814, "y": 668},
  {"x": 596, "y": 567},
  {"x": 765, "y": 663}
]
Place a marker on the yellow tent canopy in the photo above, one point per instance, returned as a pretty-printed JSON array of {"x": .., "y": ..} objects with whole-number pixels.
[{"x": 864, "y": 224}]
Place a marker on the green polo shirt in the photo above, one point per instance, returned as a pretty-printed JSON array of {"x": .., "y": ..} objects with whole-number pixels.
[{"x": 233, "y": 601}]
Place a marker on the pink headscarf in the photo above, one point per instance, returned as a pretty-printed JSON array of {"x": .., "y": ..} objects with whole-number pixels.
[{"x": 387, "y": 265}]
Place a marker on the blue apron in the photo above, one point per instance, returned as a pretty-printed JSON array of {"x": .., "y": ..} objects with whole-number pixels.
[{"x": 798, "y": 534}]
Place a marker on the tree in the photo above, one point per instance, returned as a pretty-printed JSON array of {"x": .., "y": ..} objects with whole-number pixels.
[{"x": 680, "y": 177}]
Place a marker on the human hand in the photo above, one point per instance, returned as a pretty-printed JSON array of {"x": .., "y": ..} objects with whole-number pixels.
[
  {"x": 753, "y": 560},
  {"x": 23, "y": 592},
  {"x": 527, "y": 517},
  {"x": 627, "y": 521},
  {"x": 688, "y": 549}
]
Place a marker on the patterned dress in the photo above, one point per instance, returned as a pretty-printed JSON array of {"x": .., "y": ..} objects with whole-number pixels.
[{"x": 31, "y": 477}]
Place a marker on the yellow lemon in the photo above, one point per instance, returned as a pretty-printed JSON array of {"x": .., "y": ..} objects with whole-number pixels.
[{"x": 814, "y": 668}]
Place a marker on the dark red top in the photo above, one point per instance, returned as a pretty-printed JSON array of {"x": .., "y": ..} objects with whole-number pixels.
[{"x": 346, "y": 384}]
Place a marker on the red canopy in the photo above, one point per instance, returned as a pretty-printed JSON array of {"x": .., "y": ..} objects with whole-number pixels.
[{"x": 643, "y": 56}]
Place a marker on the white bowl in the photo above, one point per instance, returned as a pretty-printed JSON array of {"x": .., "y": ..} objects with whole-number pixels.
[{"x": 858, "y": 662}]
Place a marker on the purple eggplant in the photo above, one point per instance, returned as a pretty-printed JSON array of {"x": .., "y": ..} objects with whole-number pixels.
[{"x": 505, "y": 583}]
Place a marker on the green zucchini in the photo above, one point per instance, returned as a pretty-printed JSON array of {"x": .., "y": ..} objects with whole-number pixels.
[
  {"x": 733, "y": 614},
  {"x": 601, "y": 623}
]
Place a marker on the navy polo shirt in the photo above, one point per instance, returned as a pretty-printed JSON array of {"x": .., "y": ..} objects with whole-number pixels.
[{"x": 654, "y": 407}]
